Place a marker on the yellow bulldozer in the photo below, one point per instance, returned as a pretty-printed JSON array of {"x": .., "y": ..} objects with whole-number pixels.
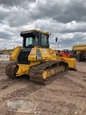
[{"x": 36, "y": 59}]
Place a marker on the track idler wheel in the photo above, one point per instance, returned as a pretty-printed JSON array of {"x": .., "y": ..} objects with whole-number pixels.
[{"x": 11, "y": 69}]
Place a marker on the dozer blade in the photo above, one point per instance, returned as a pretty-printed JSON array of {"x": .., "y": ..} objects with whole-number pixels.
[
  {"x": 11, "y": 69},
  {"x": 71, "y": 63},
  {"x": 45, "y": 72}
]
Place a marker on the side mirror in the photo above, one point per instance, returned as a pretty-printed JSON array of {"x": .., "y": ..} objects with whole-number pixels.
[{"x": 56, "y": 39}]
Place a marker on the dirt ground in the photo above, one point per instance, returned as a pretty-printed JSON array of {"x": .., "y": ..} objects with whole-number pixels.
[{"x": 64, "y": 96}]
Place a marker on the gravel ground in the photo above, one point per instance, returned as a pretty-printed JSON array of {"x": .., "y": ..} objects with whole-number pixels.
[{"x": 64, "y": 96}]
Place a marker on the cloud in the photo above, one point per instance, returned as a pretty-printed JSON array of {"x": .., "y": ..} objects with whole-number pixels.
[
  {"x": 64, "y": 19},
  {"x": 15, "y": 2},
  {"x": 72, "y": 11}
]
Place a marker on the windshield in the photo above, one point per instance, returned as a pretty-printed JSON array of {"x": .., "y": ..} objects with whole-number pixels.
[{"x": 31, "y": 41}]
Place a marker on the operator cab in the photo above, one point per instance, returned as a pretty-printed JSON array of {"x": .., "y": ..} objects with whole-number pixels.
[{"x": 33, "y": 38}]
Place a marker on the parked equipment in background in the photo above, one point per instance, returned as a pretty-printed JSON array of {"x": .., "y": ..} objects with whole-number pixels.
[
  {"x": 79, "y": 51},
  {"x": 65, "y": 53}
]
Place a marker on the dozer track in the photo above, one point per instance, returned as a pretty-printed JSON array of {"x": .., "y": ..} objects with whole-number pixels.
[
  {"x": 36, "y": 72},
  {"x": 11, "y": 69},
  {"x": 58, "y": 68}
]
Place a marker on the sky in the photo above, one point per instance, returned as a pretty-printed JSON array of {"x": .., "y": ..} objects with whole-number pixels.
[{"x": 65, "y": 19}]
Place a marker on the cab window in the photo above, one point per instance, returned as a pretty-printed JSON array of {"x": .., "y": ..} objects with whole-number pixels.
[
  {"x": 28, "y": 41},
  {"x": 44, "y": 39},
  {"x": 31, "y": 41}
]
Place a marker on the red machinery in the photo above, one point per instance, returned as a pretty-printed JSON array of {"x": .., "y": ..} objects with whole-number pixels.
[{"x": 65, "y": 53}]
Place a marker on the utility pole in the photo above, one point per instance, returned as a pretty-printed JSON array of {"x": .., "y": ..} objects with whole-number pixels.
[{"x": 58, "y": 46}]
